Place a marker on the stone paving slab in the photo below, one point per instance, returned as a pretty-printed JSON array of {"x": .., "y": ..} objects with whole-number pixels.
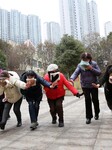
[{"x": 76, "y": 135}]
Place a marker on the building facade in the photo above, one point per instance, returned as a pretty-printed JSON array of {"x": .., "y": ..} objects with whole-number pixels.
[
  {"x": 4, "y": 24},
  {"x": 51, "y": 32},
  {"x": 108, "y": 28},
  {"x": 78, "y": 18},
  {"x": 18, "y": 27},
  {"x": 93, "y": 17},
  {"x": 34, "y": 29}
]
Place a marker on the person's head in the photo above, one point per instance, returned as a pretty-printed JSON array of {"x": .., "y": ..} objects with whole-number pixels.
[
  {"x": 52, "y": 68},
  {"x": 86, "y": 56},
  {"x": 3, "y": 76},
  {"x": 53, "y": 72},
  {"x": 31, "y": 78},
  {"x": 30, "y": 74}
]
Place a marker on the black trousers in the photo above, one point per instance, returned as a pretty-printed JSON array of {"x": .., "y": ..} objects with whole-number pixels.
[
  {"x": 1, "y": 106},
  {"x": 56, "y": 107},
  {"x": 16, "y": 109},
  {"x": 91, "y": 96},
  {"x": 108, "y": 96}
]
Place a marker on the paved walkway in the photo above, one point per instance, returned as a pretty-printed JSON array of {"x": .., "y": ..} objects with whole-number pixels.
[{"x": 76, "y": 135}]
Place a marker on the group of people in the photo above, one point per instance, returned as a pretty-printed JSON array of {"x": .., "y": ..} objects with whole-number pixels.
[{"x": 29, "y": 85}]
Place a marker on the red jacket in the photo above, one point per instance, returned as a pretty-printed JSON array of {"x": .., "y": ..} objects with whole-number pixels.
[{"x": 59, "y": 91}]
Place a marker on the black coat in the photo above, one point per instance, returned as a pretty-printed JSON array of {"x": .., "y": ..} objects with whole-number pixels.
[
  {"x": 105, "y": 79},
  {"x": 107, "y": 86},
  {"x": 34, "y": 92}
]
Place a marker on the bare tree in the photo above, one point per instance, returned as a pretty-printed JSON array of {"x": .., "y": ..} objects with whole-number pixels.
[
  {"x": 46, "y": 52},
  {"x": 25, "y": 54},
  {"x": 20, "y": 56}
]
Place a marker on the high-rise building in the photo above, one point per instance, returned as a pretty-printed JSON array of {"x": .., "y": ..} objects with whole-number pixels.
[
  {"x": 65, "y": 17},
  {"x": 23, "y": 28},
  {"x": 93, "y": 17},
  {"x": 51, "y": 32},
  {"x": 34, "y": 29},
  {"x": 4, "y": 24},
  {"x": 15, "y": 26},
  {"x": 108, "y": 28},
  {"x": 18, "y": 27},
  {"x": 83, "y": 17},
  {"x": 78, "y": 18}
]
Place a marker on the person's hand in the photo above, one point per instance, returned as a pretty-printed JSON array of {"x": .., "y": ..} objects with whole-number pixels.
[
  {"x": 30, "y": 82},
  {"x": 95, "y": 85},
  {"x": 4, "y": 99},
  {"x": 78, "y": 95},
  {"x": 53, "y": 85},
  {"x": 28, "y": 85},
  {"x": 89, "y": 67},
  {"x": 3, "y": 83},
  {"x": 71, "y": 82}
]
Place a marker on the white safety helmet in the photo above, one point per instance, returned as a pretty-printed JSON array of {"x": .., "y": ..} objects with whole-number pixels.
[{"x": 52, "y": 67}]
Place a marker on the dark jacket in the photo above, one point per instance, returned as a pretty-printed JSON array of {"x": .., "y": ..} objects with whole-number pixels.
[
  {"x": 87, "y": 77},
  {"x": 34, "y": 92},
  {"x": 105, "y": 78}
]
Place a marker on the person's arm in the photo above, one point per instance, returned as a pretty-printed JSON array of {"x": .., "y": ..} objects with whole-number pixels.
[
  {"x": 103, "y": 79},
  {"x": 96, "y": 70},
  {"x": 20, "y": 84},
  {"x": 75, "y": 74},
  {"x": 44, "y": 82},
  {"x": 69, "y": 86}
]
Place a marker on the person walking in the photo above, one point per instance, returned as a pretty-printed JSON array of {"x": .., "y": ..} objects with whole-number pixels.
[
  {"x": 34, "y": 94},
  {"x": 89, "y": 72},
  {"x": 106, "y": 80},
  {"x": 56, "y": 95},
  {"x": 10, "y": 85}
]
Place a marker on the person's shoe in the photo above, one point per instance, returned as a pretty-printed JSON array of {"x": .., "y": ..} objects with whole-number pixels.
[
  {"x": 96, "y": 117},
  {"x": 2, "y": 125},
  {"x": 19, "y": 124},
  {"x": 33, "y": 125},
  {"x": 88, "y": 121},
  {"x": 37, "y": 123},
  {"x": 54, "y": 122},
  {"x": 61, "y": 124}
]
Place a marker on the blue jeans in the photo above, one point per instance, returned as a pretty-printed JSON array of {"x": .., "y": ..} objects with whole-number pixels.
[{"x": 34, "y": 106}]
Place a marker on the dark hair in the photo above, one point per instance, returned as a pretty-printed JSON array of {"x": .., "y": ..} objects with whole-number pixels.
[
  {"x": 110, "y": 70},
  {"x": 4, "y": 74},
  {"x": 31, "y": 73},
  {"x": 86, "y": 56}
]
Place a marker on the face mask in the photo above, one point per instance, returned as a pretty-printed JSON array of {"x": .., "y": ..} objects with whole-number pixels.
[
  {"x": 84, "y": 64},
  {"x": 54, "y": 76}
]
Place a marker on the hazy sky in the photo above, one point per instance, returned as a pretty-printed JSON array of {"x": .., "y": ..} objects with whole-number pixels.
[{"x": 48, "y": 10}]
